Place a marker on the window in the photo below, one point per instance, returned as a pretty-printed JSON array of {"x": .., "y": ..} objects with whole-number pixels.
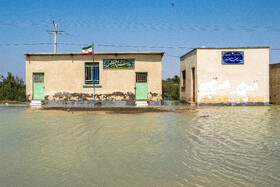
[
  {"x": 183, "y": 81},
  {"x": 38, "y": 77},
  {"x": 88, "y": 73},
  {"x": 141, "y": 77}
]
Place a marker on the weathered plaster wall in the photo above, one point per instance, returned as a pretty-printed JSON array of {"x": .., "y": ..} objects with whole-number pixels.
[
  {"x": 187, "y": 63},
  {"x": 222, "y": 84},
  {"x": 274, "y": 83},
  {"x": 65, "y": 77}
]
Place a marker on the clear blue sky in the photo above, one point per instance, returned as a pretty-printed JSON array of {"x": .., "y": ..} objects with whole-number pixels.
[{"x": 173, "y": 26}]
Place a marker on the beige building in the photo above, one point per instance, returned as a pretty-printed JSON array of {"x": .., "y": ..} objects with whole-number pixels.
[
  {"x": 119, "y": 77},
  {"x": 274, "y": 83},
  {"x": 225, "y": 76}
]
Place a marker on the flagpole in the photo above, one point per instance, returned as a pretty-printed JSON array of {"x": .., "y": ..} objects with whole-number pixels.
[{"x": 93, "y": 75}]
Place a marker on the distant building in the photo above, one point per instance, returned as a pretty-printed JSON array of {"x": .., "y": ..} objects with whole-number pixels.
[
  {"x": 120, "y": 77},
  {"x": 274, "y": 83},
  {"x": 225, "y": 76}
]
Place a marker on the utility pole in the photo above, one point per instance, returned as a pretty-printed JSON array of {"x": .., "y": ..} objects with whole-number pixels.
[{"x": 55, "y": 33}]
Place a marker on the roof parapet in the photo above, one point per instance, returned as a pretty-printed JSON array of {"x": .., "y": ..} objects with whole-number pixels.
[{"x": 256, "y": 47}]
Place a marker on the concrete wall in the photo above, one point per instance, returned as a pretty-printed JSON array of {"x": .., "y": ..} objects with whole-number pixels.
[
  {"x": 65, "y": 76},
  {"x": 188, "y": 62},
  {"x": 274, "y": 83},
  {"x": 219, "y": 84}
]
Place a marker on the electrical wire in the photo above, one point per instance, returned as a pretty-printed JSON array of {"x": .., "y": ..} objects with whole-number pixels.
[
  {"x": 101, "y": 45},
  {"x": 141, "y": 26},
  {"x": 107, "y": 45},
  {"x": 113, "y": 45}
]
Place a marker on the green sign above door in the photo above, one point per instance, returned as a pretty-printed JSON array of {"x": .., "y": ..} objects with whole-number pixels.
[{"x": 118, "y": 64}]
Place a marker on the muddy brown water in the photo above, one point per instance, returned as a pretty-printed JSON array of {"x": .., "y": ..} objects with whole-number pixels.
[
  {"x": 118, "y": 110},
  {"x": 204, "y": 146}
]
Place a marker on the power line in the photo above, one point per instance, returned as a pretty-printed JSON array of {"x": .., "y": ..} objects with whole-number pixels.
[
  {"x": 113, "y": 45},
  {"x": 107, "y": 45},
  {"x": 142, "y": 26},
  {"x": 171, "y": 55},
  {"x": 102, "y": 45}
]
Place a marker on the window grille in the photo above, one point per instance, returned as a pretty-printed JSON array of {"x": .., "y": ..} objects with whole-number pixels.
[
  {"x": 88, "y": 73},
  {"x": 141, "y": 77},
  {"x": 38, "y": 77}
]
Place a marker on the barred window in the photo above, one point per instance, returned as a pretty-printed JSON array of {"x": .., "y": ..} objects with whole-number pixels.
[
  {"x": 38, "y": 77},
  {"x": 88, "y": 73},
  {"x": 141, "y": 77}
]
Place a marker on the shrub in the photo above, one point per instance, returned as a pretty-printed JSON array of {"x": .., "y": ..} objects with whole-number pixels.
[
  {"x": 12, "y": 88},
  {"x": 171, "y": 88}
]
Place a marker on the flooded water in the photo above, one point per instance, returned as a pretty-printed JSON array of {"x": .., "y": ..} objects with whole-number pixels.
[{"x": 205, "y": 146}]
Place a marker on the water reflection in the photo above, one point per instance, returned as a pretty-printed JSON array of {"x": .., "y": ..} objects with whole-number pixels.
[{"x": 205, "y": 146}]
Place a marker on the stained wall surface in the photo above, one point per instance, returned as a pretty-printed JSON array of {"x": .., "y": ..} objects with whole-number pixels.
[
  {"x": 64, "y": 76},
  {"x": 186, "y": 87},
  {"x": 274, "y": 83},
  {"x": 232, "y": 84}
]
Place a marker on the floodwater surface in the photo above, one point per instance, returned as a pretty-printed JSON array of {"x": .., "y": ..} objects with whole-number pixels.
[{"x": 204, "y": 146}]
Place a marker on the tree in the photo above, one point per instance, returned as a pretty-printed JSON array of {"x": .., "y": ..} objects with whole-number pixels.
[
  {"x": 12, "y": 88},
  {"x": 171, "y": 88},
  {"x": 176, "y": 79}
]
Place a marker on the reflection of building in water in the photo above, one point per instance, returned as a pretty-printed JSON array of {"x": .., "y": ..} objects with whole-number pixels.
[
  {"x": 118, "y": 77},
  {"x": 225, "y": 76},
  {"x": 274, "y": 83}
]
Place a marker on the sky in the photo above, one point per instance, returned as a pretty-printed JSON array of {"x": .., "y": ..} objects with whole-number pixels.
[{"x": 172, "y": 26}]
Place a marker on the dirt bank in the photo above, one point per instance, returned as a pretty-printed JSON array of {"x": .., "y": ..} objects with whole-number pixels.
[
  {"x": 11, "y": 102},
  {"x": 118, "y": 110}
]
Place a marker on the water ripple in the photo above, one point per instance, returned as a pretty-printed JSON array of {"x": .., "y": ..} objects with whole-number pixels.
[{"x": 205, "y": 146}]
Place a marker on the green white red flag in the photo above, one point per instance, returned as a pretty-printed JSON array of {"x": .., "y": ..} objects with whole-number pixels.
[{"x": 87, "y": 50}]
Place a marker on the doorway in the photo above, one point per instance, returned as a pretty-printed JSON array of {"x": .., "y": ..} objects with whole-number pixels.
[
  {"x": 193, "y": 85},
  {"x": 141, "y": 86},
  {"x": 38, "y": 86}
]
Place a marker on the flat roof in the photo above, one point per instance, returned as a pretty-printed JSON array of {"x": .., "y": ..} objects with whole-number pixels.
[
  {"x": 275, "y": 64},
  {"x": 98, "y": 53},
  {"x": 257, "y": 47}
]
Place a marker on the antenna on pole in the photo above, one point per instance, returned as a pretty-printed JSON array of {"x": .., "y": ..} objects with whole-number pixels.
[{"x": 55, "y": 33}]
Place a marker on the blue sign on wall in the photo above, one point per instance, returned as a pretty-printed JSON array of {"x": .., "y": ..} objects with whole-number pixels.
[{"x": 232, "y": 57}]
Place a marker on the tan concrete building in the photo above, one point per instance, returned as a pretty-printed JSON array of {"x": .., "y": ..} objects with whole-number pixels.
[
  {"x": 225, "y": 76},
  {"x": 274, "y": 83},
  {"x": 120, "y": 77}
]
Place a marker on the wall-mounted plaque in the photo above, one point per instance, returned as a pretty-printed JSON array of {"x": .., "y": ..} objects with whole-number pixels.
[
  {"x": 118, "y": 64},
  {"x": 232, "y": 57}
]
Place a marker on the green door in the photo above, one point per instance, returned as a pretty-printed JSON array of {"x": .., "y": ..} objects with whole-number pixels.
[
  {"x": 38, "y": 86},
  {"x": 141, "y": 92}
]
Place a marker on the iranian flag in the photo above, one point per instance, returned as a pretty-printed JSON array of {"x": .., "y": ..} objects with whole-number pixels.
[{"x": 87, "y": 50}]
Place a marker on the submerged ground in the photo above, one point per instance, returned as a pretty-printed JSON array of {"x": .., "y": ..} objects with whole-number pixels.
[{"x": 182, "y": 146}]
